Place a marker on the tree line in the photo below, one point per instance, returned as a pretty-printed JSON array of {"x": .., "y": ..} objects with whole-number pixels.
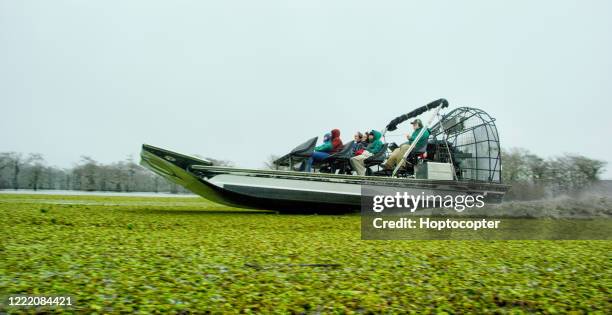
[
  {"x": 31, "y": 171},
  {"x": 534, "y": 177},
  {"x": 531, "y": 176}
]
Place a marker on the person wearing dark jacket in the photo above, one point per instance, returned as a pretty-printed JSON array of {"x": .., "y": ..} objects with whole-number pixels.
[
  {"x": 358, "y": 143},
  {"x": 366, "y": 138},
  {"x": 331, "y": 144},
  {"x": 358, "y": 162}
]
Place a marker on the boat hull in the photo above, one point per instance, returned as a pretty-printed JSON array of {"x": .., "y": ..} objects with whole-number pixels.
[{"x": 290, "y": 191}]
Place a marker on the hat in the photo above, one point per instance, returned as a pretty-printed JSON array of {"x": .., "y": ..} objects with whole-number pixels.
[{"x": 416, "y": 121}]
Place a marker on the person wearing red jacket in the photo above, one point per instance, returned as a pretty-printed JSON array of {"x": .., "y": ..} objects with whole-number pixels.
[
  {"x": 336, "y": 141},
  {"x": 324, "y": 150}
]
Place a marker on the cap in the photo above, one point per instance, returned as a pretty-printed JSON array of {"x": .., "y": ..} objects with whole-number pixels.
[{"x": 416, "y": 121}]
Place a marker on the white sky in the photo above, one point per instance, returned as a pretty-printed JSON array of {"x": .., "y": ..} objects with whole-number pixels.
[{"x": 240, "y": 80}]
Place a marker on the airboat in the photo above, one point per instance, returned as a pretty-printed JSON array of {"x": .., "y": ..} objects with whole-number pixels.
[{"x": 462, "y": 158}]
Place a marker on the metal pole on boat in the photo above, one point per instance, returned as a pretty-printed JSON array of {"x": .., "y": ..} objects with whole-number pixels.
[
  {"x": 402, "y": 161},
  {"x": 450, "y": 156}
]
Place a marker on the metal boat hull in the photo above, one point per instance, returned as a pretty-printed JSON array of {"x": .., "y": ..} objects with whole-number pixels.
[{"x": 290, "y": 191}]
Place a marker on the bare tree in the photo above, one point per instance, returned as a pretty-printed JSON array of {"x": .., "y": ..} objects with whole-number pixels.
[
  {"x": 15, "y": 162},
  {"x": 4, "y": 165},
  {"x": 155, "y": 183},
  {"x": 514, "y": 166},
  {"x": 4, "y": 160},
  {"x": 591, "y": 169},
  {"x": 36, "y": 163},
  {"x": 86, "y": 173},
  {"x": 536, "y": 166},
  {"x": 131, "y": 169}
]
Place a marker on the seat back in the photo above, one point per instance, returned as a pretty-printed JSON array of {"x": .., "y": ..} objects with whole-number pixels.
[
  {"x": 344, "y": 154},
  {"x": 300, "y": 152},
  {"x": 339, "y": 161},
  {"x": 305, "y": 149},
  {"x": 377, "y": 158}
]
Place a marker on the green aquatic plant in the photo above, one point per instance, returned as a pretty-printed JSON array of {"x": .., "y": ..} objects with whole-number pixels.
[{"x": 189, "y": 255}]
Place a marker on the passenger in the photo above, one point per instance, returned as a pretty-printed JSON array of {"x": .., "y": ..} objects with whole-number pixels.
[
  {"x": 420, "y": 147},
  {"x": 366, "y": 138},
  {"x": 358, "y": 144},
  {"x": 357, "y": 162},
  {"x": 336, "y": 141},
  {"x": 331, "y": 144}
]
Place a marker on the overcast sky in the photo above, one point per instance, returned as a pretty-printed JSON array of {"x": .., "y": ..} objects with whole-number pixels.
[{"x": 241, "y": 80}]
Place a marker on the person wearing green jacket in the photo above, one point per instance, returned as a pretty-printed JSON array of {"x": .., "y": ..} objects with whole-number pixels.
[
  {"x": 420, "y": 147},
  {"x": 331, "y": 144},
  {"x": 358, "y": 162}
]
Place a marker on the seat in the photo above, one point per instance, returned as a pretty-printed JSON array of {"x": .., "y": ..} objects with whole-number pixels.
[
  {"x": 393, "y": 146},
  {"x": 417, "y": 157},
  {"x": 376, "y": 159},
  {"x": 298, "y": 154},
  {"x": 339, "y": 161}
]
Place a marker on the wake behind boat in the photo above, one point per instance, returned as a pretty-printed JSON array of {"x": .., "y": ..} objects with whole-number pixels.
[{"x": 462, "y": 157}]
